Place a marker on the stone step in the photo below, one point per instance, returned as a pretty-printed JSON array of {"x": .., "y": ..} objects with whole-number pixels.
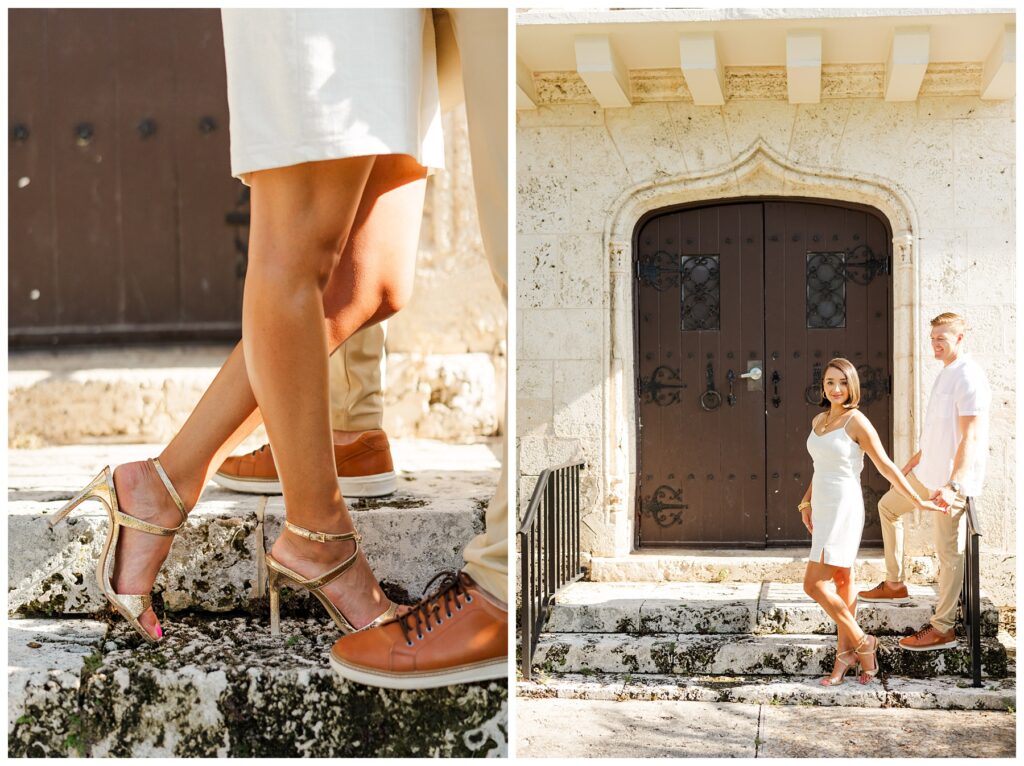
[
  {"x": 742, "y": 655},
  {"x": 939, "y": 693},
  {"x": 786, "y": 565},
  {"x": 691, "y": 607},
  {"x": 216, "y": 562},
  {"x": 223, "y": 687},
  {"x": 141, "y": 393}
]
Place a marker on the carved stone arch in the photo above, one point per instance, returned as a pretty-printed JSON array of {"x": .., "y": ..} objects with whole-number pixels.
[{"x": 757, "y": 172}]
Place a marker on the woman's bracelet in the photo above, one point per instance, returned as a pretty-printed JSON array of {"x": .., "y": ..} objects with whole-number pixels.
[{"x": 804, "y": 504}]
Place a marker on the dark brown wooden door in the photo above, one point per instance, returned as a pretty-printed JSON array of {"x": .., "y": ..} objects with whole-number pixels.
[
  {"x": 725, "y": 290},
  {"x": 119, "y": 178}
]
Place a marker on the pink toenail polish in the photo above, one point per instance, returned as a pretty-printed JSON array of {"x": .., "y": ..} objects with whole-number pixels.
[{"x": 159, "y": 632}]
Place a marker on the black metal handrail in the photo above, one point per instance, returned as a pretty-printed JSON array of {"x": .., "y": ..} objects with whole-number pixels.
[
  {"x": 971, "y": 595},
  {"x": 549, "y": 550}
]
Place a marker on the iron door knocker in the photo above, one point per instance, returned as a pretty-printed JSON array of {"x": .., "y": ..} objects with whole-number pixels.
[
  {"x": 813, "y": 394},
  {"x": 710, "y": 400}
]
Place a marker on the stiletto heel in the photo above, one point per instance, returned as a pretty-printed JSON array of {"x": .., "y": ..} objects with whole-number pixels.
[
  {"x": 832, "y": 680},
  {"x": 274, "y": 586},
  {"x": 130, "y": 606},
  {"x": 867, "y": 675},
  {"x": 96, "y": 490},
  {"x": 280, "y": 575}
]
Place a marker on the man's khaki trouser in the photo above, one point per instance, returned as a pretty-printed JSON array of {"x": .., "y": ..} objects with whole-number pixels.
[
  {"x": 950, "y": 539},
  {"x": 356, "y": 367},
  {"x": 357, "y": 381}
]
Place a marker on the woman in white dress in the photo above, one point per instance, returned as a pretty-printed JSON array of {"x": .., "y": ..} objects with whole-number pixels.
[
  {"x": 335, "y": 122},
  {"x": 833, "y": 512}
]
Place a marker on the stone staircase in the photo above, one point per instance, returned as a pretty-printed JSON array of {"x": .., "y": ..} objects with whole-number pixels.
[
  {"x": 82, "y": 683},
  {"x": 757, "y": 641}
]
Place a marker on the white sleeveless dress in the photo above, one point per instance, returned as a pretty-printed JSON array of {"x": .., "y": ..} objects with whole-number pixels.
[
  {"x": 837, "y": 501},
  {"x": 306, "y": 85}
]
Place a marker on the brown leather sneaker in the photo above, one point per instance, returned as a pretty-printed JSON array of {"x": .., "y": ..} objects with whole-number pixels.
[
  {"x": 457, "y": 635},
  {"x": 883, "y": 592},
  {"x": 928, "y": 639},
  {"x": 365, "y": 469}
]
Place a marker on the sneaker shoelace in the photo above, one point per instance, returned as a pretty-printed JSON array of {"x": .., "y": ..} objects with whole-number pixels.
[
  {"x": 924, "y": 631},
  {"x": 446, "y": 596}
]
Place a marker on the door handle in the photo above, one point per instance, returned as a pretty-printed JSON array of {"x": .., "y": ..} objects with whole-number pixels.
[{"x": 753, "y": 375}]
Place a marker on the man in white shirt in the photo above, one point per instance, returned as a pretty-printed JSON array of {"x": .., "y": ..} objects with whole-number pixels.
[{"x": 949, "y": 467}]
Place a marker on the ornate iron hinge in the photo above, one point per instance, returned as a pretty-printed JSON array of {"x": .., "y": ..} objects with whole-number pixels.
[
  {"x": 664, "y": 514},
  {"x": 659, "y": 388}
]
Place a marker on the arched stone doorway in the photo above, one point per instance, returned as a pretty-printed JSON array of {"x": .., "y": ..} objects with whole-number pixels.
[{"x": 738, "y": 306}]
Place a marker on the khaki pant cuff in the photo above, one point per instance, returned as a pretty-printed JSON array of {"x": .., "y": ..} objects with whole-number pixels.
[
  {"x": 360, "y": 423},
  {"x": 941, "y": 625},
  {"x": 495, "y": 583}
]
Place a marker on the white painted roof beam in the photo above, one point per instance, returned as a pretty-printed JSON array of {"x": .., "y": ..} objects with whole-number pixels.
[
  {"x": 526, "y": 96},
  {"x": 702, "y": 68},
  {"x": 803, "y": 66},
  {"x": 998, "y": 80},
  {"x": 602, "y": 70},
  {"x": 907, "y": 63}
]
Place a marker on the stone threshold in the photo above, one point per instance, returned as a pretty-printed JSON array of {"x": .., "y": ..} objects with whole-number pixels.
[
  {"x": 741, "y": 565},
  {"x": 145, "y": 393},
  {"x": 224, "y": 687},
  {"x": 940, "y": 693}
]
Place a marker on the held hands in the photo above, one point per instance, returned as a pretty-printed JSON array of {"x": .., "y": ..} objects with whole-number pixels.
[
  {"x": 935, "y": 503},
  {"x": 944, "y": 498}
]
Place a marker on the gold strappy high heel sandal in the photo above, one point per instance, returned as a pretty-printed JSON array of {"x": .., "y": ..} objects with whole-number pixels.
[
  {"x": 131, "y": 606},
  {"x": 867, "y": 675},
  {"x": 280, "y": 575},
  {"x": 833, "y": 681}
]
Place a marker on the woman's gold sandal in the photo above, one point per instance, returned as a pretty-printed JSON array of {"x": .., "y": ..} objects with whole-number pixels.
[
  {"x": 279, "y": 575},
  {"x": 131, "y": 606},
  {"x": 873, "y": 652},
  {"x": 832, "y": 680}
]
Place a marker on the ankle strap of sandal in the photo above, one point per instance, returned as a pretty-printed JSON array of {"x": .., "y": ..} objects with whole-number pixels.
[
  {"x": 170, "y": 488},
  {"x": 322, "y": 537}
]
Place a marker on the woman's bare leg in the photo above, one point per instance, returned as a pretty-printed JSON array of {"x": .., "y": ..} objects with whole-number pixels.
[
  {"x": 371, "y": 281},
  {"x": 227, "y": 412},
  {"x": 842, "y": 578},
  {"x": 816, "y": 578},
  {"x": 845, "y": 588}
]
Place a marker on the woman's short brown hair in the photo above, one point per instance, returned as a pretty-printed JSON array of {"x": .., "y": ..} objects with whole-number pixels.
[{"x": 846, "y": 367}]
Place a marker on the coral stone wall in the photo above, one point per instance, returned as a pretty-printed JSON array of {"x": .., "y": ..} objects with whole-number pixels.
[{"x": 951, "y": 159}]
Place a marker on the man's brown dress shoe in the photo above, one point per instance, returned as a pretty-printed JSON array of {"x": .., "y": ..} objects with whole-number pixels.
[
  {"x": 365, "y": 469},
  {"x": 883, "y": 592},
  {"x": 457, "y": 635},
  {"x": 928, "y": 639}
]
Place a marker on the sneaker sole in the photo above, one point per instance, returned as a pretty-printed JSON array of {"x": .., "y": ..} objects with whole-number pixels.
[
  {"x": 491, "y": 670},
  {"x": 876, "y": 600},
  {"x": 376, "y": 485},
  {"x": 936, "y": 647}
]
